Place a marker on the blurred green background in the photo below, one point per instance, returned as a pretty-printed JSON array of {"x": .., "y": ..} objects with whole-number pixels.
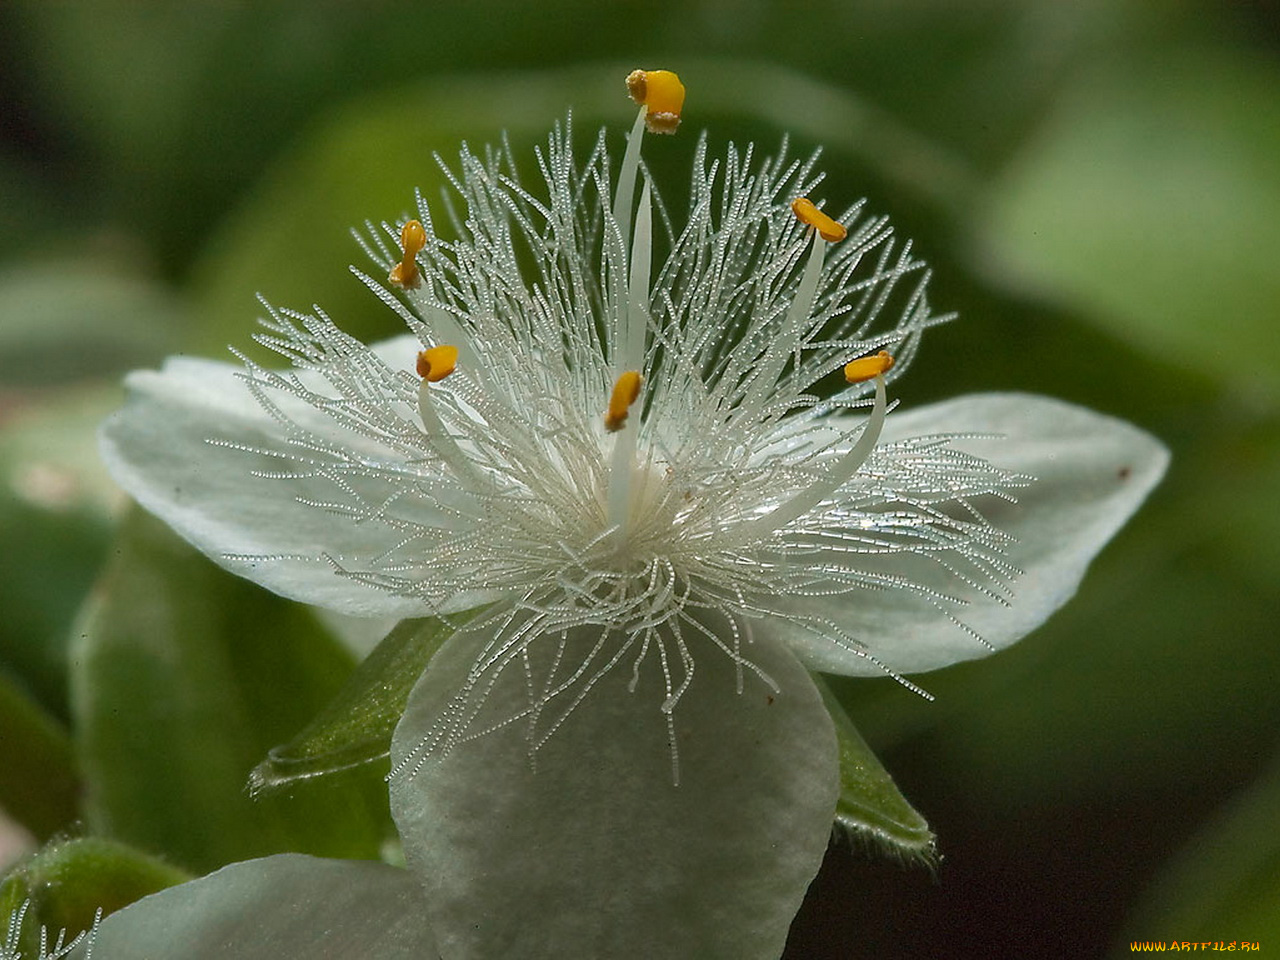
[{"x": 1097, "y": 184}]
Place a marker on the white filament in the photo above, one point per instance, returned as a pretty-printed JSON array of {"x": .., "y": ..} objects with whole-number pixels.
[
  {"x": 627, "y": 177},
  {"x": 636, "y": 319},
  {"x": 786, "y": 344},
  {"x": 637, "y": 312},
  {"x": 836, "y": 475},
  {"x": 444, "y": 445},
  {"x": 10, "y": 949}
]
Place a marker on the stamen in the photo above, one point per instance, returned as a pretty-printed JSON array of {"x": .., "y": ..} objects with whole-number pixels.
[
  {"x": 828, "y": 229},
  {"x": 625, "y": 392},
  {"x": 438, "y": 436},
  {"x": 626, "y": 191},
  {"x": 661, "y": 97},
  {"x": 635, "y": 317},
  {"x": 629, "y": 353},
  {"x": 622, "y": 463},
  {"x": 864, "y": 368},
  {"x": 842, "y": 471},
  {"x": 661, "y": 93},
  {"x": 788, "y": 341},
  {"x": 436, "y": 363},
  {"x": 405, "y": 273}
]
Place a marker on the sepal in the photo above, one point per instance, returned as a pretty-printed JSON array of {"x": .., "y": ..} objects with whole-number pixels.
[
  {"x": 67, "y": 882},
  {"x": 356, "y": 727},
  {"x": 871, "y": 808}
]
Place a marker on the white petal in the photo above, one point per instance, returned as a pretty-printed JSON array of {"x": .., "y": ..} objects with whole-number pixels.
[
  {"x": 157, "y": 447},
  {"x": 1091, "y": 473},
  {"x": 596, "y": 852},
  {"x": 282, "y": 906}
]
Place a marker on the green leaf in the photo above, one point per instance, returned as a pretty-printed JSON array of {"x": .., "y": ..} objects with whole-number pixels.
[
  {"x": 55, "y": 500},
  {"x": 1151, "y": 202},
  {"x": 76, "y": 319},
  {"x": 66, "y": 883},
  {"x": 871, "y": 807},
  {"x": 49, "y": 451},
  {"x": 39, "y": 787},
  {"x": 183, "y": 677},
  {"x": 33, "y": 207},
  {"x": 356, "y": 727},
  {"x": 1225, "y": 883}
]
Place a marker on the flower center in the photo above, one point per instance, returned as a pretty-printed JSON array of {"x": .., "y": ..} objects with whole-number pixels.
[{"x": 639, "y": 513}]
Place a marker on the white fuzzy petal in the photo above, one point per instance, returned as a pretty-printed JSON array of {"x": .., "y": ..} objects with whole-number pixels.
[
  {"x": 283, "y": 906},
  {"x": 596, "y": 852},
  {"x": 168, "y": 448},
  {"x": 1091, "y": 472}
]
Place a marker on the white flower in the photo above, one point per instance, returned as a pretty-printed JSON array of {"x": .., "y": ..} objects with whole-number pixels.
[{"x": 631, "y": 438}]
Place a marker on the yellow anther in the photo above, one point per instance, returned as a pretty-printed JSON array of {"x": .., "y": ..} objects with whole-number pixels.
[
  {"x": 413, "y": 238},
  {"x": 662, "y": 95},
  {"x": 867, "y": 368},
  {"x": 625, "y": 392},
  {"x": 436, "y": 363},
  {"x": 828, "y": 229}
]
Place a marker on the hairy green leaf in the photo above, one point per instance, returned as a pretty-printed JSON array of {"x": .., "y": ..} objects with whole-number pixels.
[
  {"x": 871, "y": 807},
  {"x": 67, "y": 882},
  {"x": 356, "y": 727},
  {"x": 183, "y": 677},
  {"x": 39, "y": 787}
]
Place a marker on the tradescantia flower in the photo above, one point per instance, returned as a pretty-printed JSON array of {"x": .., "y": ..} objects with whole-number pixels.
[{"x": 659, "y": 458}]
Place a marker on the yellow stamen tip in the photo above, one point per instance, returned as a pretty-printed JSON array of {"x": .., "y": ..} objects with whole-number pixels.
[
  {"x": 867, "y": 368},
  {"x": 413, "y": 237},
  {"x": 828, "y": 229},
  {"x": 661, "y": 93},
  {"x": 625, "y": 392},
  {"x": 436, "y": 363}
]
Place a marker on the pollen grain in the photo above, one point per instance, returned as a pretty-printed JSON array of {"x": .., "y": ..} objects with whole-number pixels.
[
  {"x": 828, "y": 229},
  {"x": 625, "y": 392},
  {"x": 661, "y": 93},
  {"x": 868, "y": 368},
  {"x": 436, "y": 363},
  {"x": 412, "y": 238}
]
